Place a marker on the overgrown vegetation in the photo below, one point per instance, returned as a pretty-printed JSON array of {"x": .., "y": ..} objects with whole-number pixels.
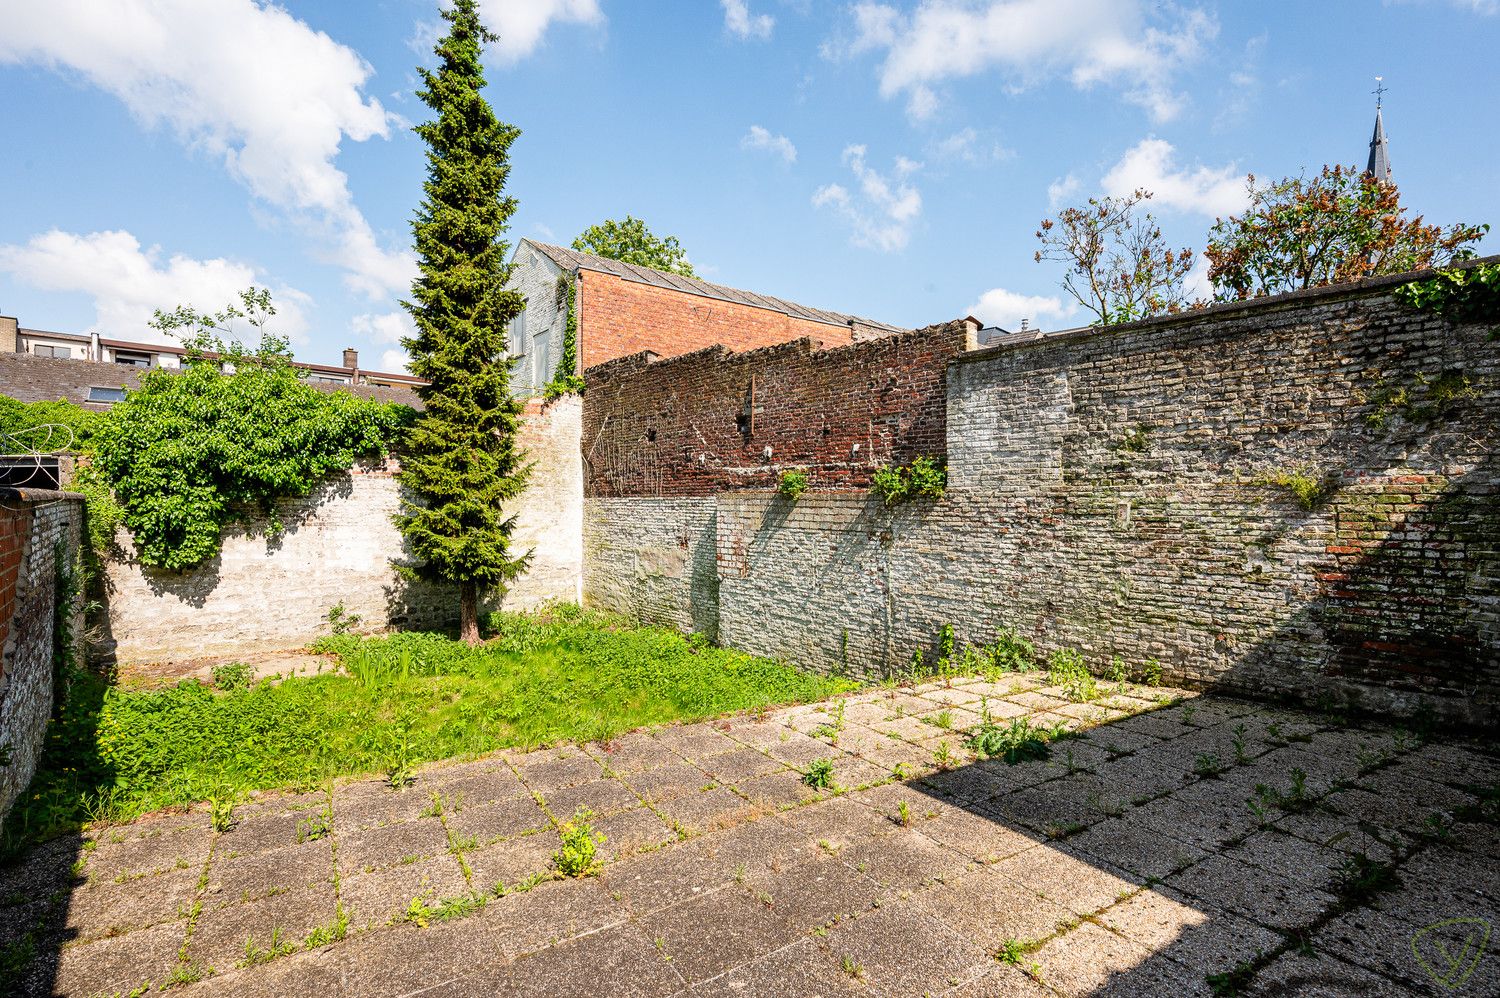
[
  {"x": 222, "y": 441},
  {"x": 577, "y": 857},
  {"x": 1424, "y": 399},
  {"x": 1306, "y": 486},
  {"x": 1341, "y": 225},
  {"x": 116, "y": 752},
  {"x": 1015, "y": 742},
  {"x": 566, "y": 380},
  {"x": 1470, "y": 294},
  {"x": 792, "y": 484},
  {"x": 925, "y": 477}
]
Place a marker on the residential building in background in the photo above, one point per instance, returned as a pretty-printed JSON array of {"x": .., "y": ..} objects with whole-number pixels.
[
  {"x": 622, "y": 309},
  {"x": 128, "y": 358}
]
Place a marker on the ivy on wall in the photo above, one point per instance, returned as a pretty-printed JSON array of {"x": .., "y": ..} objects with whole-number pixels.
[
  {"x": 566, "y": 380},
  {"x": 187, "y": 454},
  {"x": 1471, "y": 294}
]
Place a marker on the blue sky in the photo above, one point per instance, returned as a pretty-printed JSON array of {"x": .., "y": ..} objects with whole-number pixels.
[{"x": 890, "y": 159}]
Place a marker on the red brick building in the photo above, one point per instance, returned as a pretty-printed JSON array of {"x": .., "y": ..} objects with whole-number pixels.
[{"x": 622, "y": 309}]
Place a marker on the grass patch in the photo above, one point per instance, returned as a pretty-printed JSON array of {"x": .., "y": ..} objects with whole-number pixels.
[{"x": 562, "y": 675}]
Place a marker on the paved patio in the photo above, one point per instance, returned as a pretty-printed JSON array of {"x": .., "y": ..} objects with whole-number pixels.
[{"x": 1129, "y": 862}]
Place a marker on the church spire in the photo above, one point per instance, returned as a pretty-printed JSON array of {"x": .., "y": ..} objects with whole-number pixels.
[{"x": 1380, "y": 150}]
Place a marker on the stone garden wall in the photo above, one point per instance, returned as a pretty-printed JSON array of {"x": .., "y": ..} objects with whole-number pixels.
[
  {"x": 339, "y": 545},
  {"x": 1131, "y": 492},
  {"x": 39, "y": 539}
]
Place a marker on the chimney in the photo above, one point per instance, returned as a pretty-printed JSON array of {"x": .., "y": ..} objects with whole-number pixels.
[
  {"x": 10, "y": 335},
  {"x": 351, "y": 358},
  {"x": 1024, "y": 324}
]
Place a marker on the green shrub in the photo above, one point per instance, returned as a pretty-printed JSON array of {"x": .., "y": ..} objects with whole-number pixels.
[
  {"x": 1010, "y": 652},
  {"x": 189, "y": 453},
  {"x": 1016, "y": 742},
  {"x": 925, "y": 478},
  {"x": 792, "y": 484}
]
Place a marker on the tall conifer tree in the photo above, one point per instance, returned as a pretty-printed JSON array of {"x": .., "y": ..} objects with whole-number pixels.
[{"x": 461, "y": 462}]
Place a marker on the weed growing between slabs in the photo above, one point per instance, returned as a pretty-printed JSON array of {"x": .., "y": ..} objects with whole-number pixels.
[{"x": 561, "y": 675}]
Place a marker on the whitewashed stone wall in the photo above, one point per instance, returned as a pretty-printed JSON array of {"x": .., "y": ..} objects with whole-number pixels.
[{"x": 271, "y": 594}]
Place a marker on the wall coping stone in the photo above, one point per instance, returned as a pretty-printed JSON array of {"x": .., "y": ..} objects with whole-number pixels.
[{"x": 1367, "y": 288}]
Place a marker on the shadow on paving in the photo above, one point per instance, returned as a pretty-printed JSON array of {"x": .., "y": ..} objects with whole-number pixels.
[{"x": 1128, "y": 862}]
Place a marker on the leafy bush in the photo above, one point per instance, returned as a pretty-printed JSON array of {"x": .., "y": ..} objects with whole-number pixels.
[
  {"x": 188, "y": 453},
  {"x": 1010, "y": 652},
  {"x": 925, "y": 477},
  {"x": 792, "y": 484},
  {"x": 46, "y": 426}
]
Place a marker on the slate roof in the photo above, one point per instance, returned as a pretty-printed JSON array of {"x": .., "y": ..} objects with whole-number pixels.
[
  {"x": 1379, "y": 166},
  {"x": 572, "y": 260}
]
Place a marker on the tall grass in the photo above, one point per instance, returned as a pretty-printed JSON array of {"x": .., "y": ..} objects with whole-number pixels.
[{"x": 399, "y": 700}]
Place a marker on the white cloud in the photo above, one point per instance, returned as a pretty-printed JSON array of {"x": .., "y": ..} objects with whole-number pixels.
[
  {"x": 1006, "y": 309},
  {"x": 1196, "y": 284},
  {"x": 384, "y": 327},
  {"x": 760, "y": 138},
  {"x": 969, "y": 146},
  {"x": 521, "y": 24},
  {"x": 394, "y": 362},
  {"x": 883, "y": 213},
  {"x": 128, "y": 282},
  {"x": 247, "y": 84},
  {"x": 1202, "y": 190},
  {"x": 1120, "y": 43},
  {"x": 1061, "y": 190},
  {"x": 741, "y": 23}
]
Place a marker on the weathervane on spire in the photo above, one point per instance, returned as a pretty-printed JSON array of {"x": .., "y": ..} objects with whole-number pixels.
[{"x": 1380, "y": 150}]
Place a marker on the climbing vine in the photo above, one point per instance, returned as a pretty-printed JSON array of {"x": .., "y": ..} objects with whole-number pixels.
[
  {"x": 566, "y": 380},
  {"x": 189, "y": 453},
  {"x": 1470, "y": 294}
]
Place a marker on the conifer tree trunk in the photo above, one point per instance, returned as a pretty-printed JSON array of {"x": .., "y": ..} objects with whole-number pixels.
[
  {"x": 468, "y": 612},
  {"x": 460, "y": 462}
]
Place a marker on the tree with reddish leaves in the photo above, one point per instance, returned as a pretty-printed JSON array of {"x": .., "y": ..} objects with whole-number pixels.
[
  {"x": 1341, "y": 225},
  {"x": 1119, "y": 266}
]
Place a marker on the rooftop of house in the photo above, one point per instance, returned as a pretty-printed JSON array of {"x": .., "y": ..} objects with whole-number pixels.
[
  {"x": 178, "y": 351},
  {"x": 95, "y": 386},
  {"x": 573, "y": 260}
]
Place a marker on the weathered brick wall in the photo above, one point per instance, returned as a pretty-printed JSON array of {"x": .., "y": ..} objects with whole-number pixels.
[
  {"x": 617, "y": 318},
  {"x": 37, "y": 528},
  {"x": 653, "y": 560},
  {"x": 701, "y": 423},
  {"x": 263, "y": 594},
  {"x": 1112, "y": 491}
]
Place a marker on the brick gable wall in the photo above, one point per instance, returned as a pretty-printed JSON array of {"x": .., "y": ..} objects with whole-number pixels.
[
  {"x": 699, "y": 424},
  {"x": 617, "y": 318}
]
